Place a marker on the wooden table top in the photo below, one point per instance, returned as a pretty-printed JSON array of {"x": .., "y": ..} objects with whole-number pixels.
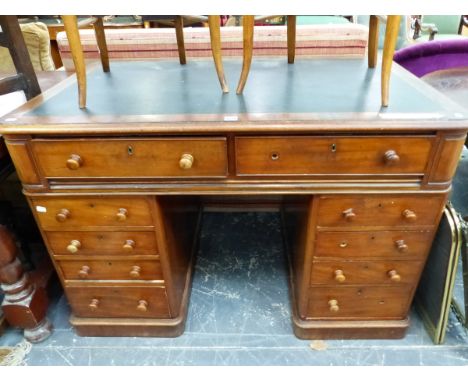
[{"x": 163, "y": 96}]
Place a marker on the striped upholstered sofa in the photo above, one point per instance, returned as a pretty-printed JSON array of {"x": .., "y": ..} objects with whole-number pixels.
[{"x": 160, "y": 43}]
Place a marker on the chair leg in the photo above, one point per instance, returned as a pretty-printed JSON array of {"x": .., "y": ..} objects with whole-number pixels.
[
  {"x": 391, "y": 35},
  {"x": 248, "y": 31},
  {"x": 179, "y": 28},
  {"x": 71, "y": 29},
  {"x": 373, "y": 45},
  {"x": 291, "y": 39},
  {"x": 101, "y": 42},
  {"x": 215, "y": 38}
]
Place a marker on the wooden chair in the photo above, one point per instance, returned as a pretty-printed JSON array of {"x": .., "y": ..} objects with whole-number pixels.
[
  {"x": 25, "y": 78},
  {"x": 72, "y": 26},
  {"x": 391, "y": 34}
]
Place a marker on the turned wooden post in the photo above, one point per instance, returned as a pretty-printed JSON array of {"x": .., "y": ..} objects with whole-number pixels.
[{"x": 24, "y": 304}]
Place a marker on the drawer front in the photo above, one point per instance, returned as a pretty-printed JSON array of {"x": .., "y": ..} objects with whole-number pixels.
[
  {"x": 128, "y": 158},
  {"x": 78, "y": 212},
  {"x": 111, "y": 270},
  {"x": 118, "y": 302},
  {"x": 78, "y": 243},
  {"x": 379, "y": 210},
  {"x": 365, "y": 272},
  {"x": 352, "y": 245},
  {"x": 363, "y": 302},
  {"x": 332, "y": 155}
]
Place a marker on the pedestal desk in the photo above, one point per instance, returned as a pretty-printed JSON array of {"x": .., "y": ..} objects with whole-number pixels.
[{"x": 117, "y": 188}]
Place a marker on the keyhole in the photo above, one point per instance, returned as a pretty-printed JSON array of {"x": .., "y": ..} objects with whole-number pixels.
[
  {"x": 274, "y": 156},
  {"x": 130, "y": 150},
  {"x": 333, "y": 148}
]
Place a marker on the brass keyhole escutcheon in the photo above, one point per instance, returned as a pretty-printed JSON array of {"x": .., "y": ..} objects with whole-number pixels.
[
  {"x": 275, "y": 156},
  {"x": 333, "y": 147},
  {"x": 130, "y": 150}
]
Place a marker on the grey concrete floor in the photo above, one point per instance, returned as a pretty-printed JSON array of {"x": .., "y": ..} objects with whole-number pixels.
[{"x": 239, "y": 314}]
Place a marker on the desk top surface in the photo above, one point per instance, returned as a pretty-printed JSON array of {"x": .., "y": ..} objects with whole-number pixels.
[{"x": 176, "y": 98}]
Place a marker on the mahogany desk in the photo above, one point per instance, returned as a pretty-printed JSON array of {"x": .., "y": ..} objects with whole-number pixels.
[{"x": 116, "y": 189}]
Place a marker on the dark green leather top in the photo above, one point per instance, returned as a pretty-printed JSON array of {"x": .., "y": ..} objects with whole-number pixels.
[{"x": 310, "y": 89}]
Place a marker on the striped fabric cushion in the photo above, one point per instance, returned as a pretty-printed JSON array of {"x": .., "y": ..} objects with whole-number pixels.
[{"x": 160, "y": 43}]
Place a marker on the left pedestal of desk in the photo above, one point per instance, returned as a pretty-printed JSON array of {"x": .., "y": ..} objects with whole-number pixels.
[{"x": 125, "y": 262}]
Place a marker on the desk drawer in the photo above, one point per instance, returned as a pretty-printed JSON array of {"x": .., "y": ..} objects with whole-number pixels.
[
  {"x": 111, "y": 269},
  {"x": 359, "y": 302},
  {"x": 365, "y": 272},
  {"x": 77, "y": 212},
  {"x": 102, "y": 243},
  {"x": 119, "y": 302},
  {"x": 373, "y": 211},
  {"x": 386, "y": 244},
  {"x": 131, "y": 158},
  {"x": 263, "y": 156}
]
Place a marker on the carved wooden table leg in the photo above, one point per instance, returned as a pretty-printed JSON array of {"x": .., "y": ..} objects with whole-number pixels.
[{"x": 24, "y": 304}]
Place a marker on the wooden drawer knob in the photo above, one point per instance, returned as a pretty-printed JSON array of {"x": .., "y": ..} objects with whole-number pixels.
[
  {"x": 339, "y": 276},
  {"x": 121, "y": 215},
  {"x": 391, "y": 157},
  {"x": 74, "y": 246},
  {"x": 94, "y": 304},
  {"x": 409, "y": 215},
  {"x": 333, "y": 306},
  {"x": 186, "y": 161},
  {"x": 394, "y": 276},
  {"x": 84, "y": 272},
  {"x": 62, "y": 215},
  {"x": 74, "y": 162},
  {"x": 135, "y": 272},
  {"x": 129, "y": 245},
  {"x": 349, "y": 214},
  {"x": 401, "y": 245},
  {"x": 142, "y": 306}
]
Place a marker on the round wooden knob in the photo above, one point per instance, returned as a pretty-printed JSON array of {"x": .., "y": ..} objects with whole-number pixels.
[
  {"x": 409, "y": 215},
  {"x": 84, "y": 272},
  {"x": 186, "y": 161},
  {"x": 333, "y": 306},
  {"x": 74, "y": 162},
  {"x": 135, "y": 272},
  {"x": 121, "y": 215},
  {"x": 142, "y": 306},
  {"x": 129, "y": 245},
  {"x": 401, "y": 245},
  {"x": 349, "y": 214},
  {"x": 394, "y": 276},
  {"x": 62, "y": 215},
  {"x": 339, "y": 276},
  {"x": 391, "y": 157},
  {"x": 74, "y": 246},
  {"x": 94, "y": 304}
]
